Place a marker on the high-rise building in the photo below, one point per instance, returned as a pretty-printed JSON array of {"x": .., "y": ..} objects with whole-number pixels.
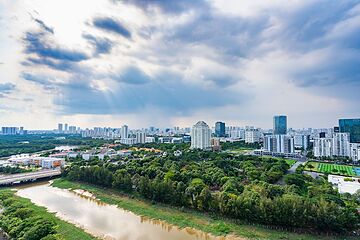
[
  {"x": 280, "y": 125},
  {"x": 124, "y": 132},
  {"x": 302, "y": 141},
  {"x": 72, "y": 129},
  {"x": 200, "y": 136},
  {"x": 322, "y": 134},
  {"x": 323, "y": 147},
  {"x": 9, "y": 130},
  {"x": 279, "y": 143},
  {"x": 60, "y": 128},
  {"x": 355, "y": 151},
  {"x": 140, "y": 137},
  {"x": 220, "y": 129},
  {"x": 252, "y": 135},
  {"x": 351, "y": 126},
  {"x": 341, "y": 145},
  {"x": 66, "y": 128}
]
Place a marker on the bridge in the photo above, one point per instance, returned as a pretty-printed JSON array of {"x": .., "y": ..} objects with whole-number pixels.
[{"x": 25, "y": 177}]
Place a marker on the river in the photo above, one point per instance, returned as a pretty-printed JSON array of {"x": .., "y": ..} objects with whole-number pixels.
[{"x": 103, "y": 220}]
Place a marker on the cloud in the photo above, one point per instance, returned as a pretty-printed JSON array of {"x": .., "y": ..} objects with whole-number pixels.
[
  {"x": 132, "y": 75},
  {"x": 48, "y": 83},
  {"x": 173, "y": 96},
  {"x": 6, "y": 88},
  {"x": 110, "y": 25},
  {"x": 51, "y": 63},
  {"x": 167, "y": 6},
  {"x": 44, "y": 26},
  {"x": 189, "y": 57},
  {"x": 34, "y": 44},
  {"x": 101, "y": 45}
]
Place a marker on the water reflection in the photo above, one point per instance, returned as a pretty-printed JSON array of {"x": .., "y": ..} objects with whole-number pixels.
[{"x": 103, "y": 220}]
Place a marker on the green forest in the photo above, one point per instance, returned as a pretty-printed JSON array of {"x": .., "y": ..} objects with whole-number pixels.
[
  {"x": 18, "y": 144},
  {"x": 238, "y": 187}
]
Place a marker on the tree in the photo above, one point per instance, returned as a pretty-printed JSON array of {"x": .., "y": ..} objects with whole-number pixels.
[
  {"x": 296, "y": 179},
  {"x": 204, "y": 199}
]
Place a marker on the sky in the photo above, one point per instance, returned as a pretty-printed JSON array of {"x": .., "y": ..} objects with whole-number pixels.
[{"x": 172, "y": 63}]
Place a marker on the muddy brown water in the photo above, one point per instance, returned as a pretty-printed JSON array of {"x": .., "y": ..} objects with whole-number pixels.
[{"x": 103, "y": 220}]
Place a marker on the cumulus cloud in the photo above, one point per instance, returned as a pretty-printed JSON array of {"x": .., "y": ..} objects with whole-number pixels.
[{"x": 185, "y": 57}]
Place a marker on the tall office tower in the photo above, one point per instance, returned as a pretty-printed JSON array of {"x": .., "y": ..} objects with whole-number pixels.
[
  {"x": 351, "y": 126},
  {"x": 279, "y": 143},
  {"x": 252, "y": 135},
  {"x": 66, "y": 128},
  {"x": 140, "y": 137},
  {"x": 200, "y": 136},
  {"x": 280, "y": 125},
  {"x": 323, "y": 147},
  {"x": 124, "y": 131},
  {"x": 60, "y": 127},
  {"x": 341, "y": 145},
  {"x": 220, "y": 129}
]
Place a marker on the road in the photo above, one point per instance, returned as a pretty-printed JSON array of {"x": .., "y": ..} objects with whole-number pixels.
[
  {"x": 292, "y": 169},
  {"x": 13, "y": 178}
]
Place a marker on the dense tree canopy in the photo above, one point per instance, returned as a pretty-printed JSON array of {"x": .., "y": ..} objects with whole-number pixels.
[{"x": 240, "y": 187}]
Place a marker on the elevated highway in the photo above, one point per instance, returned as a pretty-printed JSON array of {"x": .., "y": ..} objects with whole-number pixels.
[{"x": 25, "y": 177}]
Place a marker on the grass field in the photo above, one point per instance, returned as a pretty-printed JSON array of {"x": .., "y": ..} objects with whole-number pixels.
[
  {"x": 184, "y": 217},
  {"x": 240, "y": 150},
  {"x": 65, "y": 230},
  {"x": 330, "y": 168},
  {"x": 290, "y": 161}
]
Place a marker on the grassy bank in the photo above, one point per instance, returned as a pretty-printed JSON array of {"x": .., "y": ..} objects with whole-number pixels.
[
  {"x": 184, "y": 218},
  {"x": 64, "y": 230}
]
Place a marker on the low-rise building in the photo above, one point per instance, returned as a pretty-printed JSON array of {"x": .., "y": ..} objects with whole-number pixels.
[{"x": 52, "y": 163}]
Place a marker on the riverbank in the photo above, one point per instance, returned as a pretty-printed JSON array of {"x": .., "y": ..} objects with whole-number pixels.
[
  {"x": 184, "y": 218},
  {"x": 64, "y": 230}
]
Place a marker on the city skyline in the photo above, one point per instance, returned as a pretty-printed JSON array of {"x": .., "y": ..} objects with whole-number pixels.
[{"x": 166, "y": 64}]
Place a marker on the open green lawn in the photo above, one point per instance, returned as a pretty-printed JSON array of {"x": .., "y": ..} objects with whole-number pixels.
[
  {"x": 65, "y": 230},
  {"x": 240, "y": 150},
  {"x": 290, "y": 161},
  {"x": 184, "y": 217},
  {"x": 330, "y": 168}
]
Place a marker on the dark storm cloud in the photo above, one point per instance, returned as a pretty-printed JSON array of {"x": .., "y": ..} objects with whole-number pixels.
[{"x": 111, "y": 25}]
